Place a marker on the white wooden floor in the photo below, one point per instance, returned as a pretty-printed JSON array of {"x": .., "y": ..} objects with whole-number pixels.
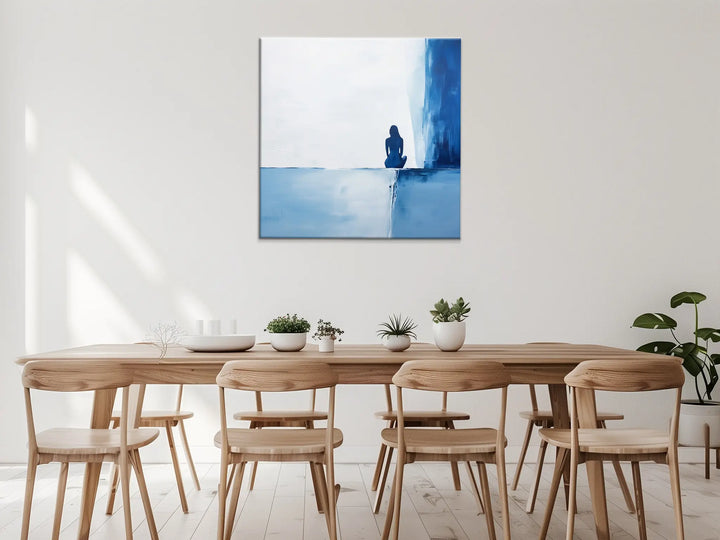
[{"x": 282, "y": 505}]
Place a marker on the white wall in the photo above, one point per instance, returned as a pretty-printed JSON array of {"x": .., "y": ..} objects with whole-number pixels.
[{"x": 589, "y": 181}]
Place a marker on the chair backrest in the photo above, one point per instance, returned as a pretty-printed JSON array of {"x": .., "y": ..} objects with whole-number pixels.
[
  {"x": 275, "y": 375},
  {"x": 451, "y": 375},
  {"x": 627, "y": 375},
  {"x": 74, "y": 375}
]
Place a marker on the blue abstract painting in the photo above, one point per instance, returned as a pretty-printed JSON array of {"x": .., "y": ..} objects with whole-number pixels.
[{"x": 359, "y": 138}]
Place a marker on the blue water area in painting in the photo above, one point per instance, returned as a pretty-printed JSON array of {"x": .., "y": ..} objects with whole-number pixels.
[
  {"x": 359, "y": 203},
  {"x": 441, "y": 110}
]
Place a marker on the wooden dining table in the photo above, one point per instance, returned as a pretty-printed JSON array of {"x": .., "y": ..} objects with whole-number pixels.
[{"x": 535, "y": 363}]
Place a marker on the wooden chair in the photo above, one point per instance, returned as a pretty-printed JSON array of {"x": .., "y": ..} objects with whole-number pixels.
[
  {"x": 167, "y": 419},
  {"x": 585, "y": 442},
  {"x": 260, "y": 418},
  {"x": 544, "y": 419},
  {"x": 70, "y": 445},
  {"x": 482, "y": 445},
  {"x": 242, "y": 445},
  {"x": 442, "y": 418}
]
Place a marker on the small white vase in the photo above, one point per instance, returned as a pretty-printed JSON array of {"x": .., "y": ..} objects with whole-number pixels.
[
  {"x": 396, "y": 343},
  {"x": 326, "y": 344},
  {"x": 449, "y": 336},
  {"x": 288, "y": 342},
  {"x": 693, "y": 417}
]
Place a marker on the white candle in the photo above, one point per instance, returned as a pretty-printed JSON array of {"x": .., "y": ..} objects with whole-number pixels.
[
  {"x": 199, "y": 327},
  {"x": 213, "y": 327},
  {"x": 232, "y": 330}
]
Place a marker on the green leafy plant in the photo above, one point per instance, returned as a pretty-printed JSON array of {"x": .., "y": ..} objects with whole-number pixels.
[
  {"x": 444, "y": 312},
  {"x": 287, "y": 324},
  {"x": 397, "y": 326},
  {"x": 697, "y": 359},
  {"x": 326, "y": 329}
]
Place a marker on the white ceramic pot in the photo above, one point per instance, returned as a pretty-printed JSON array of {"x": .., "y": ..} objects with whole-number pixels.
[
  {"x": 326, "y": 344},
  {"x": 288, "y": 342},
  {"x": 693, "y": 417},
  {"x": 396, "y": 343},
  {"x": 449, "y": 336}
]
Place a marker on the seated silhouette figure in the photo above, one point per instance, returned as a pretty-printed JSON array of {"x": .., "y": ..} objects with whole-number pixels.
[{"x": 394, "y": 150}]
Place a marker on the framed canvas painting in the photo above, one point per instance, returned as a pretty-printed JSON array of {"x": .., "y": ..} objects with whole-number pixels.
[{"x": 359, "y": 138}]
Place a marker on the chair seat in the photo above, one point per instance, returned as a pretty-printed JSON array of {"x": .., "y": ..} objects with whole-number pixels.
[
  {"x": 444, "y": 441},
  {"x": 278, "y": 441},
  {"x": 611, "y": 441},
  {"x": 91, "y": 441},
  {"x": 541, "y": 416},
  {"x": 280, "y": 416},
  {"x": 418, "y": 416},
  {"x": 153, "y": 418}
]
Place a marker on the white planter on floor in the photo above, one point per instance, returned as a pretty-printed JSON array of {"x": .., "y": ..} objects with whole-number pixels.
[
  {"x": 396, "y": 343},
  {"x": 288, "y": 342},
  {"x": 449, "y": 336},
  {"x": 693, "y": 417},
  {"x": 326, "y": 344}
]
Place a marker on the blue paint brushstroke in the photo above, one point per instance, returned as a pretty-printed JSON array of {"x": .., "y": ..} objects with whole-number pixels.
[{"x": 441, "y": 110}]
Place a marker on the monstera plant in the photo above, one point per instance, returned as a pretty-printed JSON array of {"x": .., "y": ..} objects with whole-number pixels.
[{"x": 697, "y": 359}]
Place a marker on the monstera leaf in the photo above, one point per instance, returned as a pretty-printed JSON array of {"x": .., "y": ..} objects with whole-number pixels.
[
  {"x": 712, "y": 334},
  {"x": 656, "y": 321},
  {"x": 690, "y": 353},
  {"x": 686, "y": 298}
]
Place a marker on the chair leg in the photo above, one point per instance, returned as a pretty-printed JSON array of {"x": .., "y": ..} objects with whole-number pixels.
[
  {"x": 114, "y": 481},
  {"x": 176, "y": 467},
  {"x": 523, "y": 451},
  {"x": 637, "y": 482},
  {"x": 222, "y": 495},
  {"x": 383, "y": 481},
  {"x": 234, "y": 497},
  {"x": 321, "y": 495},
  {"x": 29, "y": 488},
  {"x": 188, "y": 456},
  {"x": 474, "y": 488},
  {"x": 486, "y": 497},
  {"x": 560, "y": 460},
  {"x": 380, "y": 462},
  {"x": 252, "y": 475},
  {"x": 676, "y": 496},
  {"x": 389, "y": 516},
  {"x": 332, "y": 498},
  {"x": 623, "y": 486},
  {"x": 400, "y": 469},
  {"x": 502, "y": 488},
  {"x": 140, "y": 476},
  {"x": 316, "y": 488},
  {"x": 455, "y": 475},
  {"x": 706, "y": 434},
  {"x": 530, "y": 505},
  {"x": 60, "y": 500},
  {"x": 572, "y": 498},
  {"x": 125, "y": 487}
]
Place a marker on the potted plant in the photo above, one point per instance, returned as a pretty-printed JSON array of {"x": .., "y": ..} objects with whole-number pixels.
[
  {"x": 698, "y": 362},
  {"x": 326, "y": 334},
  {"x": 288, "y": 333},
  {"x": 396, "y": 332},
  {"x": 449, "y": 324}
]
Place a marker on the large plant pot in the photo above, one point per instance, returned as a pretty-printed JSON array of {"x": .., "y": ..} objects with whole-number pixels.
[
  {"x": 396, "y": 343},
  {"x": 288, "y": 342},
  {"x": 449, "y": 336},
  {"x": 693, "y": 417}
]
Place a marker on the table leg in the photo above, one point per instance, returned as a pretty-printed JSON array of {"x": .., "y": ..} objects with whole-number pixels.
[
  {"x": 561, "y": 419},
  {"x": 102, "y": 411},
  {"x": 587, "y": 418}
]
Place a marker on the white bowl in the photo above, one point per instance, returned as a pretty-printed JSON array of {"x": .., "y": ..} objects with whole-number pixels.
[
  {"x": 288, "y": 342},
  {"x": 234, "y": 342}
]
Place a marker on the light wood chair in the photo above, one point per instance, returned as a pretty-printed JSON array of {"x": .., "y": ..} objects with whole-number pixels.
[
  {"x": 443, "y": 419},
  {"x": 481, "y": 445},
  {"x": 544, "y": 419},
  {"x": 261, "y": 418},
  {"x": 585, "y": 442},
  {"x": 166, "y": 419},
  {"x": 71, "y": 445},
  {"x": 242, "y": 445}
]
